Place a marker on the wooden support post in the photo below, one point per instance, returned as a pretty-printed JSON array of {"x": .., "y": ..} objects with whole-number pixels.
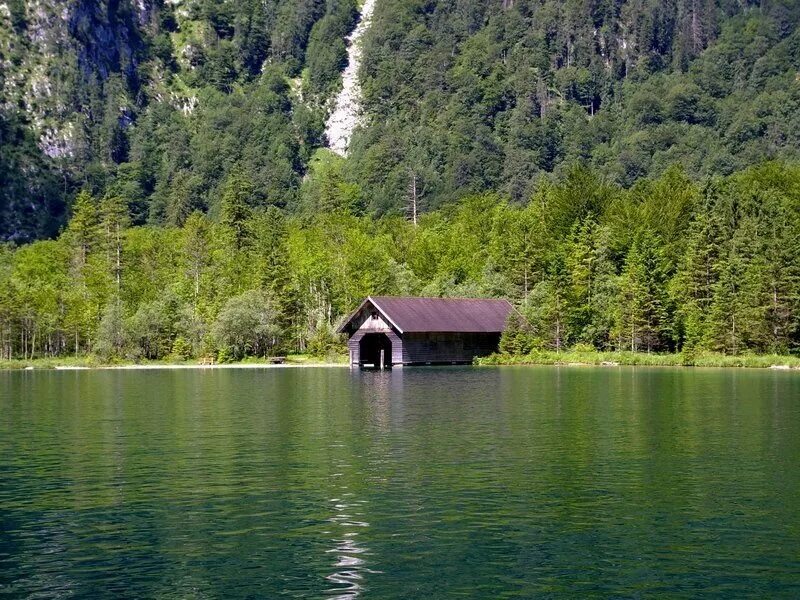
[
  {"x": 382, "y": 351},
  {"x": 351, "y": 359}
]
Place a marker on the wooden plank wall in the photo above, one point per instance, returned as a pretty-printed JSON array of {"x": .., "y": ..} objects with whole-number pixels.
[{"x": 423, "y": 348}]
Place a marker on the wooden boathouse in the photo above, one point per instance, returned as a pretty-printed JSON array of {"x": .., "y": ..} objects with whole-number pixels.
[{"x": 387, "y": 331}]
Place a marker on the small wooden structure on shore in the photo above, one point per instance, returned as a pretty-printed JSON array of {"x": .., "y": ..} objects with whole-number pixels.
[{"x": 387, "y": 331}]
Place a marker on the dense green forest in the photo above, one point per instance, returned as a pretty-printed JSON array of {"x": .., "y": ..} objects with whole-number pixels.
[
  {"x": 157, "y": 102},
  {"x": 669, "y": 264},
  {"x": 468, "y": 97},
  {"x": 625, "y": 171}
]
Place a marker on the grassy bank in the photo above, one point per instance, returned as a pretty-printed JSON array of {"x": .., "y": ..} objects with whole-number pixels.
[
  {"x": 93, "y": 362},
  {"x": 704, "y": 359}
]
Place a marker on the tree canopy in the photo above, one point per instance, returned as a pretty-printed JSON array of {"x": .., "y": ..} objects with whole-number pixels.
[
  {"x": 158, "y": 103},
  {"x": 671, "y": 264}
]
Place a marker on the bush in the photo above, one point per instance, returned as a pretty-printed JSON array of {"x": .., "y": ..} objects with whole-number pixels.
[
  {"x": 583, "y": 348},
  {"x": 224, "y": 356},
  {"x": 153, "y": 327},
  {"x": 181, "y": 349},
  {"x": 111, "y": 335},
  {"x": 326, "y": 342},
  {"x": 518, "y": 337},
  {"x": 246, "y": 325}
]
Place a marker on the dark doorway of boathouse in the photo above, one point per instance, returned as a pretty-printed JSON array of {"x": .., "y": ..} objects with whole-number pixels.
[{"x": 370, "y": 348}]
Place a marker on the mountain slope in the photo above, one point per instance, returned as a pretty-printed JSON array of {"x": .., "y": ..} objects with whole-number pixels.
[
  {"x": 158, "y": 102},
  {"x": 473, "y": 96}
]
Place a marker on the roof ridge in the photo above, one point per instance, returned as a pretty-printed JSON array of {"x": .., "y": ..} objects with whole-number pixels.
[{"x": 443, "y": 298}]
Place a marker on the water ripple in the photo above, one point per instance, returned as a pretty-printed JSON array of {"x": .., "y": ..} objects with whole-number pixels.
[{"x": 427, "y": 483}]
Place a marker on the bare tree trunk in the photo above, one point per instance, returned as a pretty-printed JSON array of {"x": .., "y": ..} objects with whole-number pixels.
[
  {"x": 413, "y": 197},
  {"x": 118, "y": 266},
  {"x": 633, "y": 337},
  {"x": 558, "y": 336},
  {"x": 526, "y": 285},
  {"x": 543, "y": 97},
  {"x": 775, "y": 326}
]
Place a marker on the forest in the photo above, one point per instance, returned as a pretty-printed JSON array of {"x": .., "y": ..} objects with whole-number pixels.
[
  {"x": 670, "y": 264},
  {"x": 625, "y": 172}
]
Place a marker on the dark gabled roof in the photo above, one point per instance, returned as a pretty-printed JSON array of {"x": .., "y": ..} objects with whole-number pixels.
[{"x": 440, "y": 315}]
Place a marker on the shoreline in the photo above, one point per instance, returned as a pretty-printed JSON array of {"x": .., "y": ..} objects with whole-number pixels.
[
  {"x": 173, "y": 367},
  {"x": 774, "y": 362},
  {"x": 88, "y": 364},
  {"x": 28, "y": 367}
]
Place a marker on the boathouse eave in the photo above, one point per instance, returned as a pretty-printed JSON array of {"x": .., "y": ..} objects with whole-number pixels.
[
  {"x": 385, "y": 315},
  {"x": 345, "y": 327}
]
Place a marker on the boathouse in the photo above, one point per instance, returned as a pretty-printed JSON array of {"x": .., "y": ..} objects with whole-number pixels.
[{"x": 387, "y": 331}]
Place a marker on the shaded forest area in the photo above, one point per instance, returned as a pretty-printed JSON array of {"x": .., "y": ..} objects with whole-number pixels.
[
  {"x": 668, "y": 265},
  {"x": 157, "y": 101}
]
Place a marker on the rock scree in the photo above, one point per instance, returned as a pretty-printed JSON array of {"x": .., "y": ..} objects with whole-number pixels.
[{"x": 346, "y": 115}]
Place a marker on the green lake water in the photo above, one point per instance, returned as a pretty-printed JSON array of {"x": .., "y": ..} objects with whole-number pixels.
[{"x": 423, "y": 483}]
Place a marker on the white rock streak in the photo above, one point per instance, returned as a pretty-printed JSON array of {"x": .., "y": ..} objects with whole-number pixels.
[{"x": 346, "y": 114}]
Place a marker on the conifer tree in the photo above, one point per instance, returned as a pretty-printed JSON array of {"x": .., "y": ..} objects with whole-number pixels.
[
  {"x": 549, "y": 308},
  {"x": 83, "y": 231},
  {"x": 737, "y": 317},
  {"x": 82, "y": 237},
  {"x": 196, "y": 252},
  {"x": 517, "y": 337},
  {"x": 642, "y": 321},
  {"x": 114, "y": 219},
  {"x": 237, "y": 196},
  {"x": 581, "y": 263}
]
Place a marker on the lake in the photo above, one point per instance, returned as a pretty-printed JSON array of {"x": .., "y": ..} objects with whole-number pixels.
[{"x": 418, "y": 483}]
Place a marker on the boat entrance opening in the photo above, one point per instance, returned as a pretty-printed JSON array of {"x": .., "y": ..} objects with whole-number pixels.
[{"x": 372, "y": 348}]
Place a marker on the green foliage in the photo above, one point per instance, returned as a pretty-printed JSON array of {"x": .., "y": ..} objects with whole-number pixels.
[
  {"x": 155, "y": 326},
  {"x": 668, "y": 266},
  {"x": 246, "y": 325},
  {"x": 161, "y": 106},
  {"x": 111, "y": 335},
  {"x": 496, "y": 95},
  {"x": 577, "y": 357},
  {"x": 517, "y": 337},
  {"x": 327, "y": 188},
  {"x": 327, "y": 52},
  {"x": 181, "y": 349},
  {"x": 642, "y": 320},
  {"x": 325, "y": 342},
  {"x": 32, "y": 203}
]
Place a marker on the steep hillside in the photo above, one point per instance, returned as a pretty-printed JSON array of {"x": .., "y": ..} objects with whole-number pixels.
[
  {"x": 158, "y": 102},
  {"x": 603, "y": 164},
  {"x": 473, "y": 96}
]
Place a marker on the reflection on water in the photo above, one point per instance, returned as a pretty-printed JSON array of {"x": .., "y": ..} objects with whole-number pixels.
[
  {"x": 415, "y": 483},
  {"x": 349, "y": 563}
]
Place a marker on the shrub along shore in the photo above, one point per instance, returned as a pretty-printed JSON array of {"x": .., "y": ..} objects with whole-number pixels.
[{"x": 612, "y": 359}]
